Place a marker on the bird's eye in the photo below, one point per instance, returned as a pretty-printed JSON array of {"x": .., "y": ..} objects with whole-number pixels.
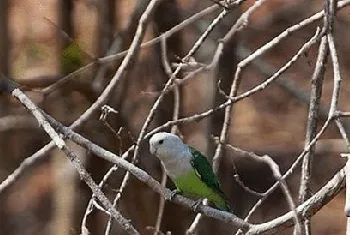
[{"x": 160, "y": 141}]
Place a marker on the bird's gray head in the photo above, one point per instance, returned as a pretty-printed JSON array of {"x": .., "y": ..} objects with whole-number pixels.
[{"x": 166, "y": 145}]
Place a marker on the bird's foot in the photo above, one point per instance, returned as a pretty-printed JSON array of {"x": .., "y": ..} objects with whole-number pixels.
[
  {"x": 196, "y": 204},
  {"x": 173, "y": 194}
]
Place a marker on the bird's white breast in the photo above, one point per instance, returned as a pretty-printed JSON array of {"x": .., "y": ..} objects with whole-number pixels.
[{"x": 177, "y": 166}]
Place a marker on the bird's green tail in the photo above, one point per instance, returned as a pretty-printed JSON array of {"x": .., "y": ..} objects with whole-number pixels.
[{"x": 222, "y": 204}]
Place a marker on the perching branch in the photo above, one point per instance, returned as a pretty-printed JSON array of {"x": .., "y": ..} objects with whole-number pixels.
[
  {"x": 191, "y": 70},
  {"x": 131, "y": 55},
  {"x": 60, "y": 143},
  {"x": 309, "y": 208}
]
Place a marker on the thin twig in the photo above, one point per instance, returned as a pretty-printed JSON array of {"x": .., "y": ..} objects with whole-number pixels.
[
  {"x": 249, "y": 190},
  {"x": 288, "y": 172},
  {"x": 347, "y": 192},
  {"x": 102, "y": 99},
  {"x": 115, "y": 201},
  {"x": 283, "y": 184},
  {"x": 174, "y": 128},
  {"x": 311, "y": 129},
  {"x": 89, "y": 208},
  {"x": 277, "y": 174},
  {"x": 42, "y": 153},
  {"x": 244, "y": 95},
  {"x": 239, "y": 25},
  {"x": 336, "y": 76},
  {"x": 238, "y": 151},
  {"x": 156, "y": 104},
  {"x": 84, "y": 175},
  {"x": 309, "y": 208},
  {"x": 144, "y": 177},
  {"x": 342, "y": 132},
  {"x": 114, "y": 57},
  {"x": 194, "y": 225},
  {"x": 192, "y": 51}
]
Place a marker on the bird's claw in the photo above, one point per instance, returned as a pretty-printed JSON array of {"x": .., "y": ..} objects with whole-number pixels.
[
  {"x": 196, "y": 204},
  {"x": 173, "y": 194}
]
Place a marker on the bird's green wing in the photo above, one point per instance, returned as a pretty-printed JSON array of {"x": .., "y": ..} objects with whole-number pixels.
[{"x": 202, "y": 166}]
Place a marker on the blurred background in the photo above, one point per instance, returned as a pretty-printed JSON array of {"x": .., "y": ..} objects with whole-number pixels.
[{"x": 43, "y": 41}]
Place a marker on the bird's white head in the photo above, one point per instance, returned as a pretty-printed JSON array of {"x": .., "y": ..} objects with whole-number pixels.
[{"x": 166, "y": 145}]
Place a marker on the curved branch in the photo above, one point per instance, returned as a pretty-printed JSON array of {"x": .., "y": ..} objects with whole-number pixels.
[{"x": 307, "y": 209}]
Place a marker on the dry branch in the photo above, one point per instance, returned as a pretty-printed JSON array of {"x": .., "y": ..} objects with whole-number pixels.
[
  {"x": 60, "y": 143},
  {"x": 315, "y": 98},
  {"x": 131, "y": 55}
]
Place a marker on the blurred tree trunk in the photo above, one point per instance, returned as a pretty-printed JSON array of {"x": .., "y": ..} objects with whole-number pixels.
[
  {"x": 5, "y": 146},
  {"x": 4, "y": 39},
  {"x": 66, "y": 20},
  {"x": 121, "y": 41},
  {"x": 106, "y": 25},
  {"x": 4, "y": 67}
]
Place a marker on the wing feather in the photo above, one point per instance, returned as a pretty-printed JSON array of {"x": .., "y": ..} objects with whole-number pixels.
[{"x": 203, "y": 169}]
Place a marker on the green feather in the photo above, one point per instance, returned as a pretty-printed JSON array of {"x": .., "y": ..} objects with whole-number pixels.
[
  {"x": 205, "y": 172},
  {"x": 71, "y": 58}
]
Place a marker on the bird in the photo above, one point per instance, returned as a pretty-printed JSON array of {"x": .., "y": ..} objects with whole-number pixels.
[{"x": 189, "y": 169}]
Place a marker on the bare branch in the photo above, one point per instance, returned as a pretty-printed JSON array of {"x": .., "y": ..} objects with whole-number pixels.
[
  {"x": 239, "y": 25},
  {"x": 168, "y": 71},
  {"x": 234, "y": 99},
  {"x": 342, "y": 132},
  {"x": 84, "y": 175},
  {"x": 194, "y": 225},
  {"x": 337, "y": 77},
  {"x": 307, "y": 209},
  {"x": 315, "y": 98},
  {"x": 114, "y": 57},
  {"x": 132, "y": 52},
  {"x": 90, "y": 205},
  {"x": 156, "y": 104},
  {"x": 347, "y": 184},
  {"x": 277, "y": 174},
  {"x": 188, "y": 65},
  {"x": 347, "y": 192},
  {"x": 144, "y": 177},
  {"x": 290, "y": 170}
]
